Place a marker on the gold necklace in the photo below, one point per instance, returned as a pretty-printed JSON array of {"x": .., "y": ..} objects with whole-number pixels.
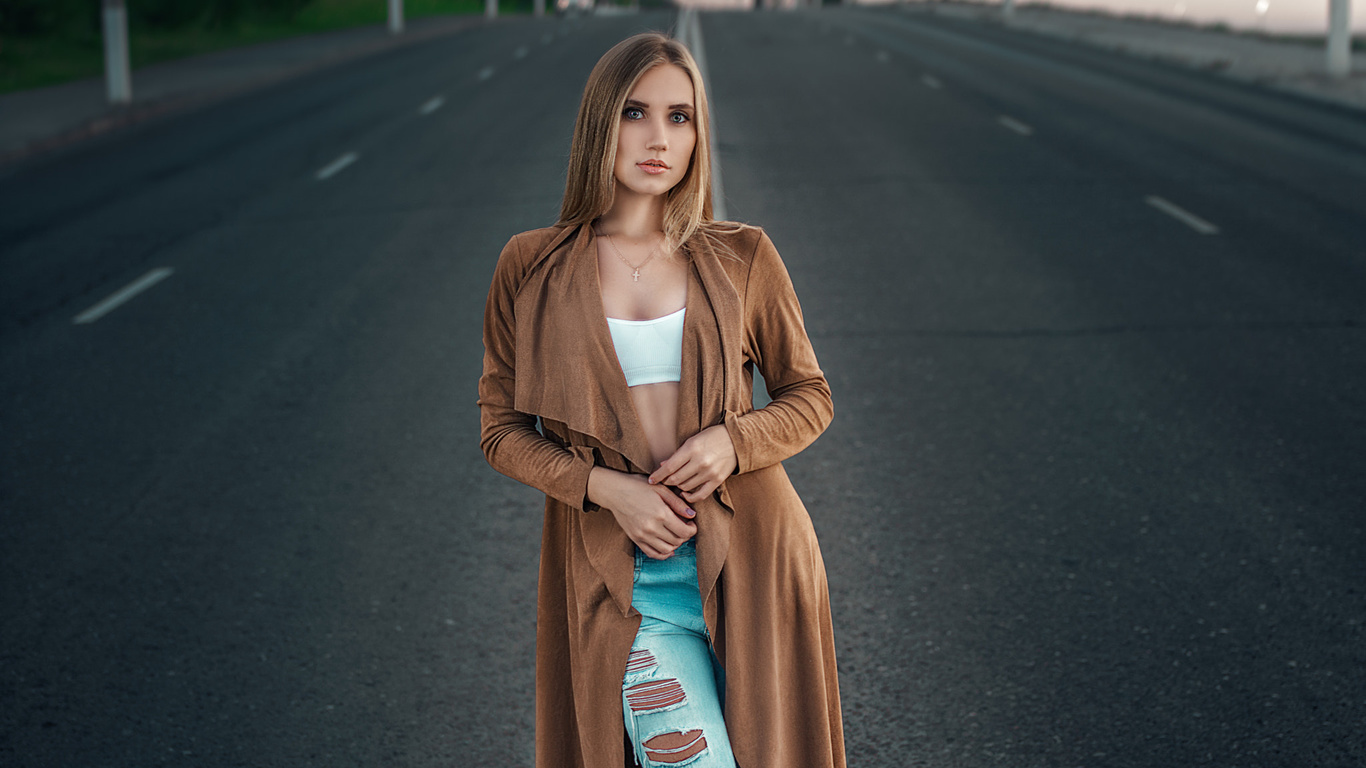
[{"x": 635, "y": 270}]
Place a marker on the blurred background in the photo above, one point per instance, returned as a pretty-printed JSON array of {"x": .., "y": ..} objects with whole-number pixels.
[
  {"x": 1088, "y": 281},
  {"x": 50, "y": 41}
]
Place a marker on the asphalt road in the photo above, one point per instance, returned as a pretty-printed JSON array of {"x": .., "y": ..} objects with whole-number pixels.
[{"x": 1092, "y": 496}]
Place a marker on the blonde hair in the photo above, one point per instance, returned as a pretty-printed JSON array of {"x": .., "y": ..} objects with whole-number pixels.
[{"x": 590, "y": 183}]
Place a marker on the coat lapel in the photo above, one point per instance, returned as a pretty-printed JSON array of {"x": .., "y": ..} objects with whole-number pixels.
[
  {"x": 710, "y": 373},
  {"x": 724, "y": 349},
  {"x": 567, "y": 368}
]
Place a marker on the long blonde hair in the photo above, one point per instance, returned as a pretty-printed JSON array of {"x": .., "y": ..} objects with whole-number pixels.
[{"x": 590, "y": 184}]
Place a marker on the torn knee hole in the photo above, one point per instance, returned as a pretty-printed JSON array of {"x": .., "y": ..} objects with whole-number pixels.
[
  {"x": 677, "y": 747},
  {"x": 655, "y": 695}
]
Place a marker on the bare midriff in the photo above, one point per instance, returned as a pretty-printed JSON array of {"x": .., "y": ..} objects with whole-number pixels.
[{"x": 657, "y": 409}]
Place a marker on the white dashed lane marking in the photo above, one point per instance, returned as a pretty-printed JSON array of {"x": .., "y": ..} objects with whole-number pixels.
[
  {"x": 432, "y": 105},
  {"x": 486, "y": 73},
  {"x": 1182, "y": 215},
  {"x": 122, "y": 295},
  {"x": 335, "y": 167},
  {"x": 931, "y": 81},
  {"x": 1015, "y": 125}
]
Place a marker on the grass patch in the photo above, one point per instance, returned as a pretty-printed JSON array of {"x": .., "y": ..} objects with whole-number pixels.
[{"x": 78, "y": 52}]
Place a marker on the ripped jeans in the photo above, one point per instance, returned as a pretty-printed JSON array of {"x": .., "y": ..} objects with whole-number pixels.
[{"x": 673, "y": 688}]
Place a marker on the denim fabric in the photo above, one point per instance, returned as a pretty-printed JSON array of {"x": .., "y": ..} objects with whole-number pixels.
[{"x": 673, "y": 689}]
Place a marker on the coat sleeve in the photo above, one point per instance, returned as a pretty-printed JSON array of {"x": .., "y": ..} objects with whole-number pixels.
[
  {"x": 801, "y": 406},
  {"x": 508, "y": 437}
]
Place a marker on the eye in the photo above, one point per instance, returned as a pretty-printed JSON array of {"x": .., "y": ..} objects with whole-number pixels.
[
  {"x": 683, "y": 115},
  {"x": 632, "y": 113}
]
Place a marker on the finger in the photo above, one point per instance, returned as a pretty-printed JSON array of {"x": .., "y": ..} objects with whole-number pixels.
[
  {"x": 683, "y": 476},
  {"x": 692, "y": 497},
  {"x": 651, "y": 551},
  {"x": 664, "y": 551},
  {"x": 666, "y": 467},
  {"x": 697, "y": 480},
  {"x": 667, "y": 478},
  {"x": 680, "y": 530},
  {"x": 686, "y": 454},
  {"x": 679, "y": 506}
]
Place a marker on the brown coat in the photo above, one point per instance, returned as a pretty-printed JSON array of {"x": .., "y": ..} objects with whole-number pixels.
[{"x": 548, "y": 353}]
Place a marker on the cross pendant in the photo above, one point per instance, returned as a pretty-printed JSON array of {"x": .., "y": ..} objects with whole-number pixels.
[{"x": 636, "y": 275}]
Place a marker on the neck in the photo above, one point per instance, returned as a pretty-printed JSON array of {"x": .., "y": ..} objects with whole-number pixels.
[{"x": 633, "y": 216}]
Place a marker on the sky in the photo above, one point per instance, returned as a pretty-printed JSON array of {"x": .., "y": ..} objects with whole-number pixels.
[
  {"x": 1276, "y": 15},
  {"x": 1280, "y": 16}
]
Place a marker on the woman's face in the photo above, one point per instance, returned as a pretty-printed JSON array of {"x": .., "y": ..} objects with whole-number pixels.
[{"x": 657, "y": 134}]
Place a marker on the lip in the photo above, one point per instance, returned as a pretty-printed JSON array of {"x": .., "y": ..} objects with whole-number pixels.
[{"x": 653, "y": 169}]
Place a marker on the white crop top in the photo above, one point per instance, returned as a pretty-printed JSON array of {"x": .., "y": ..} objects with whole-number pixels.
[{"x": 650, "y": 351}]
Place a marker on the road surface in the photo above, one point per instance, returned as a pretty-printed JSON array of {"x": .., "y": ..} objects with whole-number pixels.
[{"x": 1092, "y": 496}]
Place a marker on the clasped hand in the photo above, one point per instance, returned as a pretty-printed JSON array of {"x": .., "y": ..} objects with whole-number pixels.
[
  {"x": 647, "y": 509},
  {"x": 699, "y": 465}
]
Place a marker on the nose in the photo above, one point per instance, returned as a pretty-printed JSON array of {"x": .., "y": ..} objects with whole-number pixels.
[{"x": 659, "y": 137}]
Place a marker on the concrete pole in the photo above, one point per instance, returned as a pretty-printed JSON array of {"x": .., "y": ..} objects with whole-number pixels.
[
  {"x": 116, "y": 75},
  {"x": 539, "y": 8},
  {"x": 1339, "y": 38},
  {"x": 395, "y": 17},
  {"x": 490, "y": 9},
  {"x": 1008, "y": 9}
]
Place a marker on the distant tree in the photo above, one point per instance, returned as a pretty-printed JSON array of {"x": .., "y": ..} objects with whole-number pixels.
[
  {"x": 44, "y": 18},
  {"x": 39, "y": 18},
  {"x": 177, "y": 14}
]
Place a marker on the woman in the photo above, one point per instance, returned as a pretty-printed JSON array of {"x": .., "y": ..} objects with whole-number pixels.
[{"x": 680, "y": 576}]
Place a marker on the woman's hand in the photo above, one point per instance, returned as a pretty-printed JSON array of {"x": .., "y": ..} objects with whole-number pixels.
[
  {"x": 651, "y": 515},
  {"x": 699, "y": 465}
]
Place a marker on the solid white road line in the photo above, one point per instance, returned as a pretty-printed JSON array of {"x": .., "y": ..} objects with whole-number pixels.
[
  {"x": 122, "y": 295},
  {"x": 334, "y": 167},
  {"x": 1015, "y": 125},
  {"x": 692, "y": 28},
  {"x": 683, "y": 27},
  {"x": 432, "y": 105},
  {"x": 1181, "y": 214},
  {"x": 931, "y": 81},
  {"x": 486, "y": 73}
]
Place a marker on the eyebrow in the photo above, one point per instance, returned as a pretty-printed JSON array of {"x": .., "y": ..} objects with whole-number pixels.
[{"x": 635, "y": 103}]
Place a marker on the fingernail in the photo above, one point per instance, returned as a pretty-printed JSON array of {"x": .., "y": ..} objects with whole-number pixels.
[{"x": 691, "y": 513}]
